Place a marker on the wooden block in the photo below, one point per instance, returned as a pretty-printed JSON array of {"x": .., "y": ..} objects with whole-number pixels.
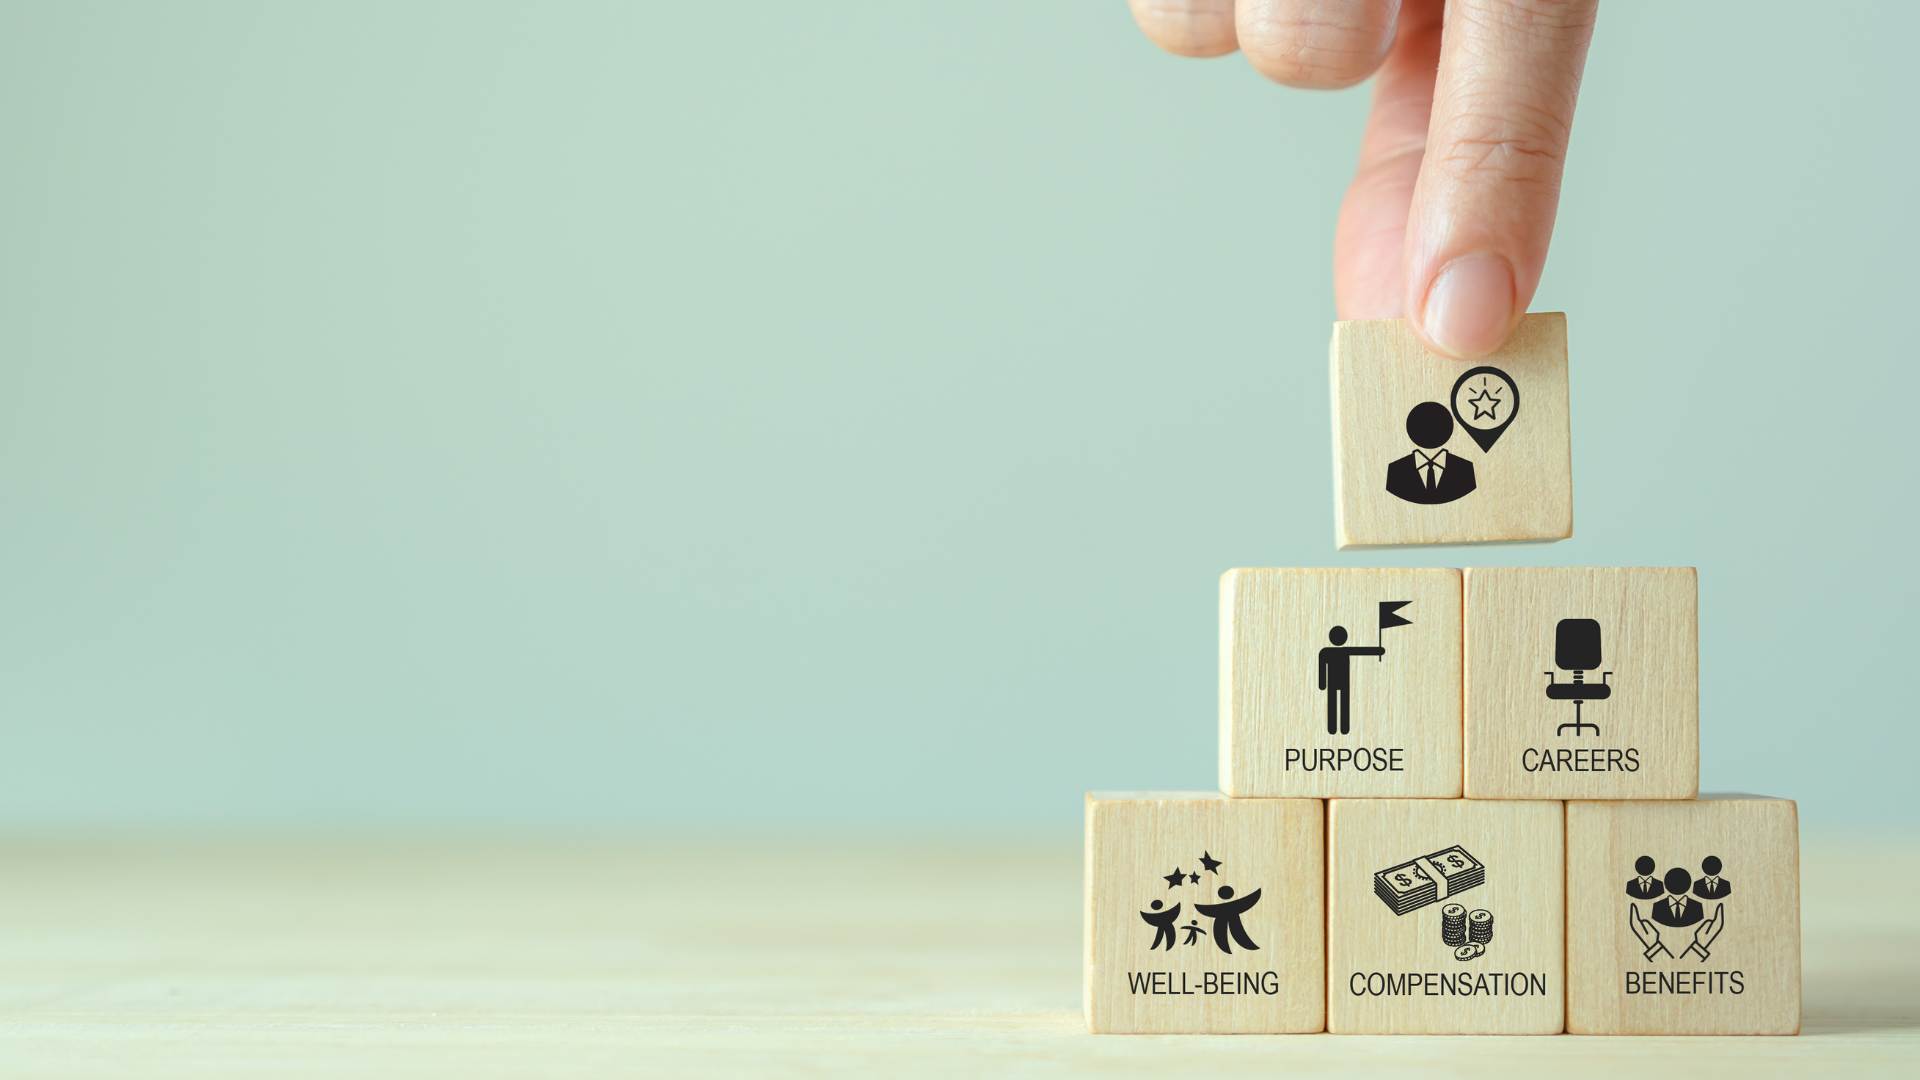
[
  {"x": 1445, "y": 917},
  {"x": 1289, "y": 638},
  {"x": 1628, "y": 729},
  {"x": 1204, "y": 913},
  {"x": 1499, "y": 427},
  {"x": 1726, "y": 959}
]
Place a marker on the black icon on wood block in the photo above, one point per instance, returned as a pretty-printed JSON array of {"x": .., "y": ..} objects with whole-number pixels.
[
  {"x": 1431, "y": 879},
  {"x": 1226, "y": 918},
  {"x": 1428, "y": 879},
  {"x": 1576, "y": 648},
  {"x": 1710, "y": 885},
  {"x": 1162, "y": 922},
  {"x": 1670, "y": 904},
  {"x": 1645, "y": 886},
  {"x": 1336, "y": 670},
  {"x": 1430, "y": 475},
  {"x": 1226, "y": 914},
  {"x": 1485, "y": 400},
  {"x": 1468, "y": 932}
]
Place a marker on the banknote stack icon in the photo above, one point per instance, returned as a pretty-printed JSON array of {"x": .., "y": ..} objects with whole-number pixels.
[{"x": 1416, "y": 883}]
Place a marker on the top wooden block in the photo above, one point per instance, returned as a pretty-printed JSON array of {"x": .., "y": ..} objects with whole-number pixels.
[{"x": 1495, "y": 432}]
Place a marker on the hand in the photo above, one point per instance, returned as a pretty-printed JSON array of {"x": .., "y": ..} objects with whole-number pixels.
[
  {"x": 1647, "y": 932},
  {"x": 1448, "y": 218},
  {"x": 1704, "y": 934}
]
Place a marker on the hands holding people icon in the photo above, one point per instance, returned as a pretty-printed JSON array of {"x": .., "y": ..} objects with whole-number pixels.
[{"x": 1703, "y": 934}]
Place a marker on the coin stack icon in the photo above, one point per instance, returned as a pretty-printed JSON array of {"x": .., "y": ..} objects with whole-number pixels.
[
  {"x": 1479, "y": 926},
  {"x": 1453, "y": 924}
]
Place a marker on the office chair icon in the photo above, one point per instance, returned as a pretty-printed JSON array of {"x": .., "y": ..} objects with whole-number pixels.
[{"x": 1576, "y": 648}]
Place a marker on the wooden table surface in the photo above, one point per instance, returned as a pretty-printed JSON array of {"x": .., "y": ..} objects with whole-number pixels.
[{"x": 731, "y": 957}]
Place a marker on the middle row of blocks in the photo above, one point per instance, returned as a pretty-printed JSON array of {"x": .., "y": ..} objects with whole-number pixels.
[{"x": 1504, "y": 683}]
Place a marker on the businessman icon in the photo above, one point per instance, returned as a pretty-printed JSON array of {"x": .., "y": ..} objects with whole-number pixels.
[
  {"x": 1645, "y": 884},
  {"x": 1430, "y": 475},
  {"x": 1677, "y": 909}
]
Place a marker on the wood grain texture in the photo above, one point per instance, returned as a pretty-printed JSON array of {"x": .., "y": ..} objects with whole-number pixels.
[
  {"x": 1135, "y": 841},
  {"x": 1369, "y": 947},
  {"x": 1755, "y": 950},
  {"x": 1649, "y": 627},
  {"x": 1524, "y": 483},
  {"x": 1404, "y": 706},
  {"x": 742, "y": 956}
]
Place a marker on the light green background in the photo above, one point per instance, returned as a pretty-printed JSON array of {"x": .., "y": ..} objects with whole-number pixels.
[{"x": 560, "y": 415}]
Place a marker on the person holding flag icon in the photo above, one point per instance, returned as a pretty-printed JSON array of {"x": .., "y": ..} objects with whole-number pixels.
[{"x": 1336, "y": 673}]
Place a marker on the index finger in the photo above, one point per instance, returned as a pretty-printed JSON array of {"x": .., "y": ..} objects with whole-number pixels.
[{"x": 1489, "y": 183}]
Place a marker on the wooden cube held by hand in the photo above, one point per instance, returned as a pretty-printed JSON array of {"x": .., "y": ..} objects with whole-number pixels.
[{"x": 1428, "y": 450}]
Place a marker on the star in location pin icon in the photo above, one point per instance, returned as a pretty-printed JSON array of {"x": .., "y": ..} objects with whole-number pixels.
[{"x": 1485, "y": 401}]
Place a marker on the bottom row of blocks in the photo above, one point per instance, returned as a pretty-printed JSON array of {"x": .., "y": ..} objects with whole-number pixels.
[{"x": 1438, "y": 916}]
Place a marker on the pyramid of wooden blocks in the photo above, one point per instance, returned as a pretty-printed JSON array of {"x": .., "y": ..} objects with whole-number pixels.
[
  {"x": 1204, "y": 913},
  {"x": 1512, "y": 840}
]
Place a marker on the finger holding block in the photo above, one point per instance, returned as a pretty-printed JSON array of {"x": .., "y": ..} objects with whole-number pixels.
[
  {"x": 1683, "y": 918},
  {"x": 1582, "y": 682},
  {"x": 1428, "y": 450},
  {"x": 1445, "y": 917},
  {"x": 1340, "y": 682},
  {"x": 1204, "y": 914}
]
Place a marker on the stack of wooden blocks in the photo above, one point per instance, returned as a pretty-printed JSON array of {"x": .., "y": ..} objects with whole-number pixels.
[{"x": 1452, "y": 801}]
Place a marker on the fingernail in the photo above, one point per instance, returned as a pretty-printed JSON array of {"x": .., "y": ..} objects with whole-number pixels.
[{"x": 1469, "y": 306}]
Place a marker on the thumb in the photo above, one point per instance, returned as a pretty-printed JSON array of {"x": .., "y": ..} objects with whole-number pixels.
[{"x": 1489, "y": 182}]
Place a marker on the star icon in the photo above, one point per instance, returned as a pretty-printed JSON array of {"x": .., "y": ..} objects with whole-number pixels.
[
  {"x": 1493, "y": 405},
  {"x": 1194, "y": 878},
  {"x": 1211, "y": 864},
  {"x": 1176, "y": 877}
]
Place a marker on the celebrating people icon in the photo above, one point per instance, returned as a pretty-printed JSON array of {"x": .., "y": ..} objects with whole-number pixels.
[
  {"x": 1194, "y": 933},
  {"x": 1336, "y": 677},
  {"x": 1711, "y": 885},
  {"x": 1162, "y": 924},
  {"x": 1430, "y": 475},
  {"x": 1677, "y": 908},
  {"x": 1226, "y": 918},
  {"x": 1646, "y": 886}
]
